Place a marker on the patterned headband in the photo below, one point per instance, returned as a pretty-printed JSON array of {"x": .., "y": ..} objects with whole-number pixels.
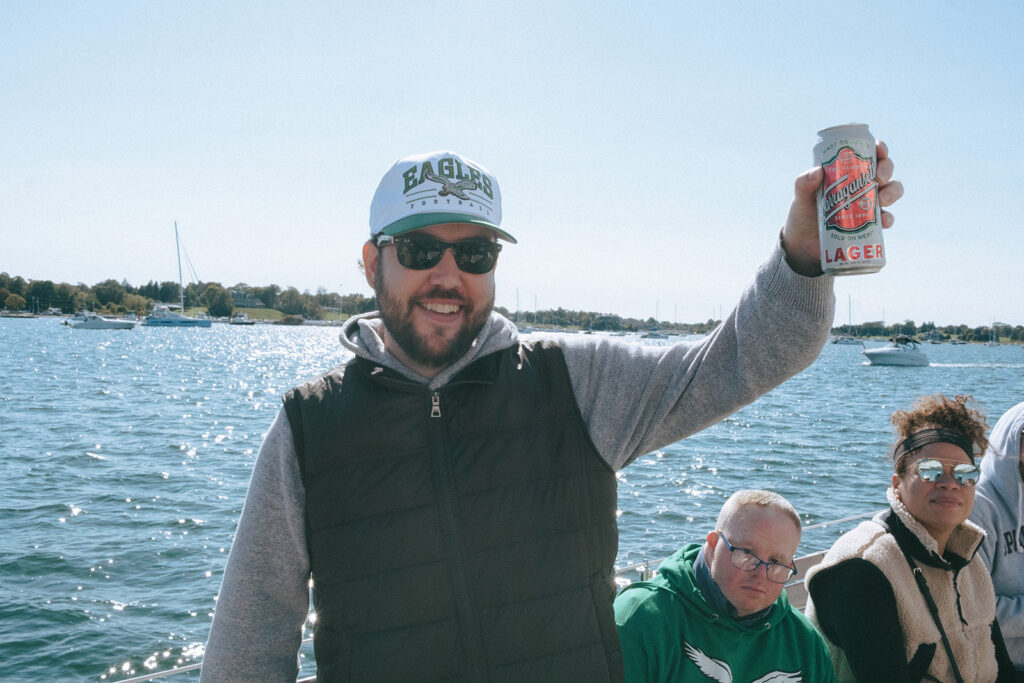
[{"x": 927, "y": 436}]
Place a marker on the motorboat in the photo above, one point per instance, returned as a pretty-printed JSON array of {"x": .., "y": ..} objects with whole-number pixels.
[
  {"x": 92, "y": 321},
  {"x": 162, "y": 316},
  {"x": 848, "y": 341},
  {"x": 240, "y": 318},
  {"x": 901, "y": 350}
]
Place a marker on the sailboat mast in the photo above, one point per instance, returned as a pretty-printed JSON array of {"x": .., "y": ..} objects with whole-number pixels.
[{"x": 181, "y": 288}]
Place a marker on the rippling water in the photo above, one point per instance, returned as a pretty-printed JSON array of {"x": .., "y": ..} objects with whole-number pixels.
[{"x": 127, "y": 455}]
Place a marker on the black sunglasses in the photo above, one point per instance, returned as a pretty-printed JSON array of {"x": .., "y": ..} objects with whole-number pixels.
[{"x": 422, "y": 252}]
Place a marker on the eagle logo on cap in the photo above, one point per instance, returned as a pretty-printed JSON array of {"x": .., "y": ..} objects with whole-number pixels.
[{"x": 448, "y": 187}]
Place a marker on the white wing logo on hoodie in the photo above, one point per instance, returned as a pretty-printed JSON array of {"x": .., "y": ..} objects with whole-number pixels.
[{"x": 719, "y": 671}]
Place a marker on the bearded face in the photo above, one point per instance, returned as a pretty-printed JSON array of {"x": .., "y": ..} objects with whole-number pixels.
[{"x": 431, "y": 316}]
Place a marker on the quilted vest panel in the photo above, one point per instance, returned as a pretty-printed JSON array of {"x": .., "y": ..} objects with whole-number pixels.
[{"x": 466, "y": 534}]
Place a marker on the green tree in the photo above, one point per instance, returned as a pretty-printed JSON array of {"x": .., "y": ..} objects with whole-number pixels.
[
  {"x": 43, "y": 292},
  {"x": 218, "y": 300},
  {"x": 15, "y": 302},
  {"x": 109, "y": 292},
  {"x": 290, "y": 302},
  {"x": 136, "y": 303},
  {"x": 268, "y": 295},
  {"x": 14, "y": 285}
]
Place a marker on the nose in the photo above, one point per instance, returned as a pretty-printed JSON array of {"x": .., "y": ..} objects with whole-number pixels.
[{"x": 446, "y": 269}]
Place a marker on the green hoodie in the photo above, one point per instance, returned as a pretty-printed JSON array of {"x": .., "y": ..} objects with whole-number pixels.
[{"x": 669, "y": 632}]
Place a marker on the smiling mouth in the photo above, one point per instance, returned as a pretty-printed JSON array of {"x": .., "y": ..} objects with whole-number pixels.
[{"x": 440, "y": 308}]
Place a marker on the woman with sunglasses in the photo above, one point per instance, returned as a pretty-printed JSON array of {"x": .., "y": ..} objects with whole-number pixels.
[
  {"x": 999, "y": 510},
  {"x": 905, "y": 596}
]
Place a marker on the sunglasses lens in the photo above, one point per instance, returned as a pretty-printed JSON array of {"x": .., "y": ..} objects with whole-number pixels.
[
  {"x": 471, "y": 256},
  {"x": 930, "y": 470},
  {"x": 476, "y": 257},
  {"x": 966, "y": 475},
  {"x": 419, "y": 253}
]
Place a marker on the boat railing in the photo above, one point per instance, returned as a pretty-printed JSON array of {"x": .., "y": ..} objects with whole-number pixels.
[{"x": 795, "y": 592}]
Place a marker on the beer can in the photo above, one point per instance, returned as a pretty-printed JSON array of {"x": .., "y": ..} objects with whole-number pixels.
[{"x": 849, "y": 215}]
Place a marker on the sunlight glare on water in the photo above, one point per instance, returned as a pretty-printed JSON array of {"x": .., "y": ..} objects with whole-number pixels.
[{"x": 128, "y": 456}]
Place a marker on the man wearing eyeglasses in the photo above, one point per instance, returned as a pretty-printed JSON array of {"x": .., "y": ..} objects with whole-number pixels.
[
  {"x": 451, "y": 493},
  {"x": 716, "y": 611}
]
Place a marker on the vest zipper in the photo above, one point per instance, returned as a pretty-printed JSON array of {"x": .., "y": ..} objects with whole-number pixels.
[{"x": 468, "y": 620}]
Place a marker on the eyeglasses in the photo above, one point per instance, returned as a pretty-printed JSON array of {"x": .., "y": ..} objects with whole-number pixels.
[
  {"x": 931, "y": 471},
  {"x": 742, "y": 558},
  {"x": 422, "y": 252}
]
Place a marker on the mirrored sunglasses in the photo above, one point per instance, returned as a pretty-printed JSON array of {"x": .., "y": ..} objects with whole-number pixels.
[
  {"x": 742, "y": 558},
  {"x": 932, "y": 471},
  {"x": 422, "y": 252}
]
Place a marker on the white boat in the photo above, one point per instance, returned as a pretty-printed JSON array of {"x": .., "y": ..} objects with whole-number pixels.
[
  {"x": 162, "y": 316},
  {"x": 847, "y": 341},
  {"x": 240, "y": 318},
  {"x": 91, "y": 321},
  {"x": 901, "y": 350}
]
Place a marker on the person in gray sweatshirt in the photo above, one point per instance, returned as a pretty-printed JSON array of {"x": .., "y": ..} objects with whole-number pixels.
[
  {"x": 999, "y": 510},
  {"x": 449, "y": 495}
]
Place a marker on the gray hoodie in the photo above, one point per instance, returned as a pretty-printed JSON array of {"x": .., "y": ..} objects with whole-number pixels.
[
  {"x": 999, "y": 510},
  {"x": 634, "y": 399}
]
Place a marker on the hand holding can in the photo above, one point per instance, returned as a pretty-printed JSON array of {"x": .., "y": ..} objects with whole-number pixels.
[{"x": 849, "y": 210}]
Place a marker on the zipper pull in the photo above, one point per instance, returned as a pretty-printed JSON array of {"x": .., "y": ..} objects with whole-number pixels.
[{"x": 435, "y": 405}]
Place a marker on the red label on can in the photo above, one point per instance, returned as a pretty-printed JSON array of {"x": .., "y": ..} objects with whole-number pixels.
[{"x": 849, "y": 194}]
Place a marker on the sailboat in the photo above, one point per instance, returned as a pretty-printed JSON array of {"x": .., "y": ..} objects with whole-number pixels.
[
  {"x": 849, "y": 325},
  {"x": 993, "y": 339},
  {"x": 162, "y": 316}
]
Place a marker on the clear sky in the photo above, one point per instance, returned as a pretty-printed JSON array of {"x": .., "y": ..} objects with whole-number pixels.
[{"x": 645, "y": 150}]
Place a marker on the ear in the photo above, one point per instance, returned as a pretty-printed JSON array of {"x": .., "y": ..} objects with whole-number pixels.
[
  {"x": 896, "y": 481},
  {"x": 712, "y": 539},
  {"x": 370, "y": 254}
]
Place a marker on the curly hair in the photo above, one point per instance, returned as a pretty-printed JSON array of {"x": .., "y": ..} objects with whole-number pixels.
[{"x": 940, "y": 412}]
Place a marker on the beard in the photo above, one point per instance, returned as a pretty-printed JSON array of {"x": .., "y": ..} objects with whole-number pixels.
[{"x": 432, "y": 349}]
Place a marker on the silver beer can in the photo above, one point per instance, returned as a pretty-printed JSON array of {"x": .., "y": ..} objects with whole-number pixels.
[{"x": 849, "y": 215}]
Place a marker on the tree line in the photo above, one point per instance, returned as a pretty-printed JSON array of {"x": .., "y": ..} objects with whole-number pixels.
[
  {"x": 111, "y": 297},
  {"x": 930, "y": 331}
]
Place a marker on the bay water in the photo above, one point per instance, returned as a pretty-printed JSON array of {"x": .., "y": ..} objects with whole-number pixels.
[{"x": 126, "y": 456}]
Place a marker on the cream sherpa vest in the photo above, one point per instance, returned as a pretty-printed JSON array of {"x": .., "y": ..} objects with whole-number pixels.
[{"x": 970, "y": 637}]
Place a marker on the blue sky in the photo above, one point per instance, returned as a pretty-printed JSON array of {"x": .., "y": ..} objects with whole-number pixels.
[{"x": 646, "y": 151}]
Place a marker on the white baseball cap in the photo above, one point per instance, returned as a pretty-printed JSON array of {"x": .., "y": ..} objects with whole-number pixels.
[{"x": 439, "y": 187}]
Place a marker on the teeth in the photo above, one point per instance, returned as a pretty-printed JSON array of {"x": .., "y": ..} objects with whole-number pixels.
[{"x": 441, "y": 308}]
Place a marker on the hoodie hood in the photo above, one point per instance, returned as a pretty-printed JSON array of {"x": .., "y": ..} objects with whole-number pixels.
[
  {"x": 999, "y": 509},
  {"x": 676, "y": 575},
  {"x": 1000, "y": 468},
  {"x": 361, "y": 334}
]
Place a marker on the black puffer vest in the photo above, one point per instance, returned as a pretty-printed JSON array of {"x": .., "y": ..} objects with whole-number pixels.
[{"x": 466, "y": 534}]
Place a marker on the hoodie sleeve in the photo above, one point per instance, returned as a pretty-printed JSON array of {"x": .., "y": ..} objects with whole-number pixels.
[
  {"x": 637, "y": 398},
  {"x": 999, "y": 510},
  {"x": 264, "y": 596}
]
